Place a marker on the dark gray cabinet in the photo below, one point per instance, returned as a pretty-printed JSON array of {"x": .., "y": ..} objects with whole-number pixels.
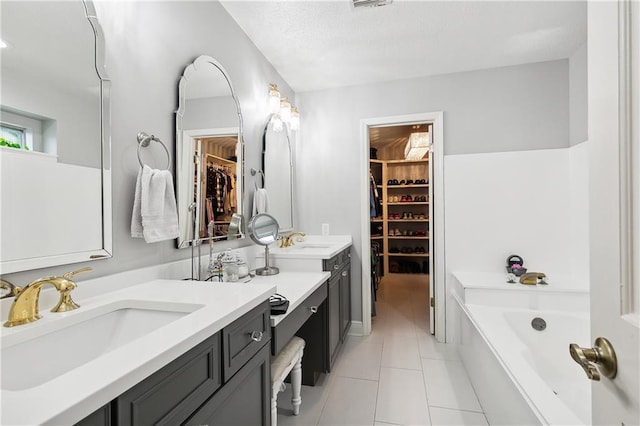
[
  {"x": 338, "y": 303},
  {"x": 345, "y": 301},
  {"x": 334, "y": 318},
  {"x": 223, "y": 380}
]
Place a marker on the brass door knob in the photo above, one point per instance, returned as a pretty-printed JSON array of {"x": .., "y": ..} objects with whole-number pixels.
[{"x": 599, "y": 359}]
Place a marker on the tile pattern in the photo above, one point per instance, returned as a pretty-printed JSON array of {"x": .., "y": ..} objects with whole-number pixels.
[{"x": 398, "y": 375}]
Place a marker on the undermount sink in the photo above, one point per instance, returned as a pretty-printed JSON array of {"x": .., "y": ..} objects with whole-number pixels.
[
  {"x": 37, "y": 355},
  {"x": 311, "y": 246}
]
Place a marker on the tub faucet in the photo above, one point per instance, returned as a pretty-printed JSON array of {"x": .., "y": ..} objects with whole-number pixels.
[
  {"x": 25, "y": 307},
  {"x": 288, "y": 240},
  {"x": 533, "y": 278}
]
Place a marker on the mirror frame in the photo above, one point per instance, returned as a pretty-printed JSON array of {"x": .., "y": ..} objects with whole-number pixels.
[
  {"x": 190, "y": 69},
  {"x": 287, "y": 131},
  {"x": 106, "y": 251}
]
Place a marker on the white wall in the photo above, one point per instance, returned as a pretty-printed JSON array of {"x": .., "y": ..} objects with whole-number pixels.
[
  {"x": 530, "y": 203},
  {"x": 148, "y": 46},
  {"x": 578, "y": 96},
  {"x": 503, "y": 109}
]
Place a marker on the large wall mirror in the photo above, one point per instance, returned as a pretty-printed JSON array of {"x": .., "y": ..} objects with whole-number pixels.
[
  {"x": 277, "y": 163},
  {"x": 55, "y": 189},
  {"x": 209, "y": 153}
]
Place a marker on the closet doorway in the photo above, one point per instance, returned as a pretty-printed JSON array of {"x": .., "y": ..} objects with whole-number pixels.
[{"x": 402, "y": 230}]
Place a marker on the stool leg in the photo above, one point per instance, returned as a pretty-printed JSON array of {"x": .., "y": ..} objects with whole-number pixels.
[
  {"x": 296, "y": 385},
  {"x": 274, "y": 405}
]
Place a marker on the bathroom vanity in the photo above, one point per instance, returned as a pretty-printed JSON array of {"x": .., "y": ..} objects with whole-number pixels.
[
  {"x": 161, "y": 352},
  {"x": 322, "y": 315}
]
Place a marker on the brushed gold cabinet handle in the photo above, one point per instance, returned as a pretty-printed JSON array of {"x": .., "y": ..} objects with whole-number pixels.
[{"x": 601, "y": 359}]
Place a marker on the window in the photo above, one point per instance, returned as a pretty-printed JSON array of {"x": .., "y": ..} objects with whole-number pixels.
[{"x": 13, "y": 136}]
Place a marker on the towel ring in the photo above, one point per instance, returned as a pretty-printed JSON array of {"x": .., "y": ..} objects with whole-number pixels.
[
  {"x": 144, "y": 140},
  {"x": 257, "y": 172}
]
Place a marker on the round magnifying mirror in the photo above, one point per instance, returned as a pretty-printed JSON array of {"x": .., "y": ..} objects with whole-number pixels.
[{"x": 263, "y": 230}]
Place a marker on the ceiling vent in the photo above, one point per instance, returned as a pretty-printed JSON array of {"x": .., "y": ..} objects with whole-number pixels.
[{"x": 371, "y": 3}]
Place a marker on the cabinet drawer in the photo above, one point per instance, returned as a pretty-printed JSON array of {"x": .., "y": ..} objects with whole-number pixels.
[
  {"x": 244, "y": 338},
  {"x": 337, "y": 261},
  {"x": 168, "y": 396},
  {"x": 288, "y": 327}
]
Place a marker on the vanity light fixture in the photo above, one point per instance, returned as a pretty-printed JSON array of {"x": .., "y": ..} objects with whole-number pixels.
[
  {"x": 274, "y": 98},
  {"x": 417, "y": 146},
  {"x": 282, "y": 111}
]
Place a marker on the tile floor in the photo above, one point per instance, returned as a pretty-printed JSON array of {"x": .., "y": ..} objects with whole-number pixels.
[{"x": 398, "y": 375}]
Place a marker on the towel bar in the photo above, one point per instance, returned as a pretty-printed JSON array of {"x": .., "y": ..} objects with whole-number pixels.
[{"x": 144, "y": 140}]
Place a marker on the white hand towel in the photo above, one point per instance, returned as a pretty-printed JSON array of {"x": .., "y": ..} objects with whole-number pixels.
[
  {"x": 260, "y": 201},
  {"x": 155, "y": 215},
  {"x": 136, "y": 216},
  {"x": 158, "y": 206}
]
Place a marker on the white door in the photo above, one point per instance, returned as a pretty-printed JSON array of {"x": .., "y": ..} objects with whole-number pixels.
[
  {"x": 432, "y": 253},
  {"x": 614, "y": 212}
]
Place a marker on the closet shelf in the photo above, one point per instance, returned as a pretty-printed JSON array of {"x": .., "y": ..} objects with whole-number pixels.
[
  {"x": 413, "y": 185},
  {"x": 406, "y": 237},
  {"x": 408, "y": 220},
  {"x": 405, "y": 162},
  {"x": 405, "y": 203},
  {"x": 377, "y": 237},
  {"x": 409, "y": 254},
  {"x": 376, "y": 220}
]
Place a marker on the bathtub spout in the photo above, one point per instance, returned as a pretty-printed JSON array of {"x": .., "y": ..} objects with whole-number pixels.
[{"x": 533, "y": 278}]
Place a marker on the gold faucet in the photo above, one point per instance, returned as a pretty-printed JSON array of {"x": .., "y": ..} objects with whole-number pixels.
[
  {"x": 288, "y": 240},
  {"x": 9, "y": 288},
  {"x": 533, "y": 278},
  {"x": 25, "y": 306}
]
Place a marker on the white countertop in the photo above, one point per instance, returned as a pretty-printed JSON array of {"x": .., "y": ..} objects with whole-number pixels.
[
  {"x": 70, "y": 397},
  {"x": 312, "y": 247},
  {"x": 295, "y": 286}
]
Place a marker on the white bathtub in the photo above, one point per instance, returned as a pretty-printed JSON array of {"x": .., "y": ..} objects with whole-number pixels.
[{"x": 522, "y": 375}]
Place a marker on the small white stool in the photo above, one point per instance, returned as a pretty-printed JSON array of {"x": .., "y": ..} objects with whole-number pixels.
[{"x": 289, "y": 360}]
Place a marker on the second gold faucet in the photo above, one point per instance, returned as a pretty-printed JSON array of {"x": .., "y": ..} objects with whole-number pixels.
[{"x": 288, "y": 240}]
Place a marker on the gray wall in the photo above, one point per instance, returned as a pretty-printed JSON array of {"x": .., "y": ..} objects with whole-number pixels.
[
  {"x": 502, "y": 109},
  {"x": 148, "y": 46}
]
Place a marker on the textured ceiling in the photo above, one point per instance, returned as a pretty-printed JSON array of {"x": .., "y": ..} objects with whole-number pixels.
[{"x": 323, "y": 44}]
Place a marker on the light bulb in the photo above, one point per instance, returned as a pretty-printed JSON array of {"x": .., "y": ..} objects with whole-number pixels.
[
  {"x": 274, "y": 98},
  {"x": 295, "y": 118},
  {"x": 285, "y": 110}
]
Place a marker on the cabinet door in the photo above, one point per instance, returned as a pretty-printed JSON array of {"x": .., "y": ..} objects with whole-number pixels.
[
  {"x": 170, "y": 395},
  {"x": 334, "y": 318},
  {"x": 244, "y": 400},
  {"x": 345, "y": 301},
  {"x": 100, "y": 417}
]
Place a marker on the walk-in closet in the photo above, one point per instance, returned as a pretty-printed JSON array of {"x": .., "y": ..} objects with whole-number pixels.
[{"x": 401, "y": 204}]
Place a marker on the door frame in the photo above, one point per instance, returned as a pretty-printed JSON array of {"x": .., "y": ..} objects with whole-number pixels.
[{"x": 436, "y": 227}]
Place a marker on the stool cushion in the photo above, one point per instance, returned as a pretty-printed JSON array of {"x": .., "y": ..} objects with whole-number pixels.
[{"x": 283, "y": 360}]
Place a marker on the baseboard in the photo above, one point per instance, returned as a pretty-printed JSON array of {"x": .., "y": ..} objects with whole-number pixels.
[{"x": 357, "y": 329}]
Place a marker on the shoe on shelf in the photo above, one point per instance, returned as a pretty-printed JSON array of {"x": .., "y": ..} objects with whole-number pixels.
[{"x": 410, "y": 182}]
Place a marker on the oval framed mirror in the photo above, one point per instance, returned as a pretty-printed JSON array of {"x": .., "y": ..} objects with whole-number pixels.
[
  {"x": 209, "y": 153},
  {"x": 263, "y": 229},
  {"x": 277, "y": 164},
  {"x": 55, "y": 122}
]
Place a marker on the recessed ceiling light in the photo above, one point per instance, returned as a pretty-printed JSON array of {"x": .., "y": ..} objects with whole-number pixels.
[
  {"x": 371, "y": 3},
  {"x": 3, "y": 44}
]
